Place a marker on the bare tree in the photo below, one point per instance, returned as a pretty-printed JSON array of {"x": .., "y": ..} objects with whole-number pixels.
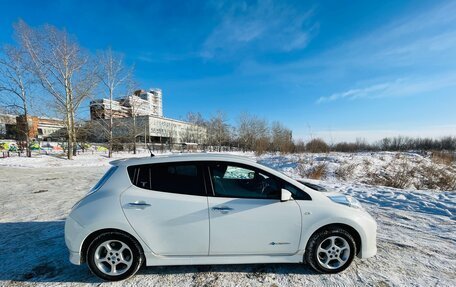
[
  {"x": 253, "y": 133},
  {"x": 246, "y": 134},
  {"x": 196, "y": 132},
  {"x": 317, "y": 145},
  {"x": 262, "y": 136},
  {"x": 218, "y": 129},
  {"x": 63, "y": 70},
  {"x": 113, "y": 76},
  {"x": 84, "y": 132},
  {"x": 16, "y": 83},
  {"x": 138, "y": 126},
  {"x": 281, "y": 138},
  {"x": 299, "y": 146}
]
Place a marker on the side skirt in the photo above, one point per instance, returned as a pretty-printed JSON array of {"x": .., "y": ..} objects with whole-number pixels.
[{"x": 153, "y": 260}]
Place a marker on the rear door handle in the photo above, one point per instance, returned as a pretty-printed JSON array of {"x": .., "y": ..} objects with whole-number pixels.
[
  {"x": 139, "y": 204},
  {"x": 222, "y": 209}
]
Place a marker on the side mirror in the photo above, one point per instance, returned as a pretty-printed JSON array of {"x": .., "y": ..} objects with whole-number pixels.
[{"x": 285, "y": 195}]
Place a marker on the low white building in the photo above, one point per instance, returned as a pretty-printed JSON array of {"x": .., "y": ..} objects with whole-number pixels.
[{"x": 151, "y": 129}]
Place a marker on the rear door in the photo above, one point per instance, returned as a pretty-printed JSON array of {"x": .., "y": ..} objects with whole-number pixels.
[
  {"x": 246, "y": 214},
  {"x": 167, "y": 207}
]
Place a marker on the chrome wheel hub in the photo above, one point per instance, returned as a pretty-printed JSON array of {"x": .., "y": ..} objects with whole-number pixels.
[
  {"x": 333, "y": 252},
  {"x": 113, "y": 257}
]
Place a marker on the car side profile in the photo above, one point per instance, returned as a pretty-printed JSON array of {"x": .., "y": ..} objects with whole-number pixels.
[{"x": 196, "y": 209}]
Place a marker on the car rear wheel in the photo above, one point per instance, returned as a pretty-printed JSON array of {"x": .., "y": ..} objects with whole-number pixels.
[
  {"x": 114, "y": 256},
  {"x": 331, "y": 250}
]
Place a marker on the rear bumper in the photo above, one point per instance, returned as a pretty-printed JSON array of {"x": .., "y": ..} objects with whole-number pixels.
[
  {"x": 75, "y": 258},
  {"x": 73, "y": 239}
]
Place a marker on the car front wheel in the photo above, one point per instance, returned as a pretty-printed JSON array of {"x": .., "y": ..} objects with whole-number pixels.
[
  {"x": 114, "y": 256},
  {"x": 331, "y": 250}
]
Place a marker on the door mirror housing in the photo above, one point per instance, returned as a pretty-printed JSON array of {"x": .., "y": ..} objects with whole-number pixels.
[{"x": 285, "y": 195}]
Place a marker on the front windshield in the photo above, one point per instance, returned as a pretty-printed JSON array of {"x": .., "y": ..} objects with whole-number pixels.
[{"x": 313, "y": 186}]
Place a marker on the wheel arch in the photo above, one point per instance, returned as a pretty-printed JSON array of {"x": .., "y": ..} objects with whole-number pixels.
[
  {"x": 95, "y": 234},
  {"x": 353, "y": 232}
]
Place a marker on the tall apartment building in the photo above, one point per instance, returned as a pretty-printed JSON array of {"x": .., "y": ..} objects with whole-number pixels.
[
  {"x": 141, "y": 103},
  {"x": 146, "y": 102},
  {"x": 147, "y": 108}
]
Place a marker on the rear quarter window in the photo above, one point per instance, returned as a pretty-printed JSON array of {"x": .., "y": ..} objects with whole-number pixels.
[{"x": 105, "y": 178}]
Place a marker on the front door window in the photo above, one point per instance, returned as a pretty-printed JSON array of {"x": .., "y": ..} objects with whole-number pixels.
[{"x": 237, "y": 181}]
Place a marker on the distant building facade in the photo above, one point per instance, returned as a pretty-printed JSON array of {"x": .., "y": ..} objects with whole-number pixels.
[
  {"x": 105, "y": 109},
  {"x": 141, "y": 116},
  {"x": 39, "y": 128},
  {"x": 7, "y": 126},
  {"x": 50, "y": 129}
]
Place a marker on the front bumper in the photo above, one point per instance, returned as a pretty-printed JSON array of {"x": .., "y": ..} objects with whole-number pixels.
[
  {"x": 369, "y": 252},
  {"x": 368, "y": 238}
]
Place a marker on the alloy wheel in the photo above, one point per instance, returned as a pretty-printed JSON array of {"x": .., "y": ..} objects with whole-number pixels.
[
  {"x": 333, "y": 252},
  {"x": 113, "y": 257}
]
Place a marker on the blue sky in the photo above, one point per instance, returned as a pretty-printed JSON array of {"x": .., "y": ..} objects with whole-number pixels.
[{"x": 337, "y": 69}]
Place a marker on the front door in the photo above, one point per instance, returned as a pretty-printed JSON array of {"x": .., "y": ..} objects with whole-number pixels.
[
  {"x": 247, "y": 216},
  {"x": 167, "y": 207}
]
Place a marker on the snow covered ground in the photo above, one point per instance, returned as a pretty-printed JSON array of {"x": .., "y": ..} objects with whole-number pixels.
[
  {"x": 397, "y": 169},
  {"x": 416, "y": 229}
]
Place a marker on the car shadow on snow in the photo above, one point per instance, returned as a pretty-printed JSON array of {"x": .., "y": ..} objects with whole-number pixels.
[{"x": 35, "y": 251}]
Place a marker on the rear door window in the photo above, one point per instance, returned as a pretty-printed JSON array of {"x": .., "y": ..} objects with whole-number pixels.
[{"x": 182, "y": 178}]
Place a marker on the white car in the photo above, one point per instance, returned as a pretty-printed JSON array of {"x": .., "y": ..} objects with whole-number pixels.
[{"x": 212, "y": 209}]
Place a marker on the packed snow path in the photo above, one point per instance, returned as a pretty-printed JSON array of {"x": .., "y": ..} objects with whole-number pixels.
[{"x": 416, "y": 239}]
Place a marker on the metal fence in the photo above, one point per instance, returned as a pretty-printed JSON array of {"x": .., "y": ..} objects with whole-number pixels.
[{"x": 141, "y": 148}]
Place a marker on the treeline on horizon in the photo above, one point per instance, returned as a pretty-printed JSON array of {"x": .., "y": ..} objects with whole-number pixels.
[
  {"x": 398, "y": 143},
  {"x": 252, "y": 133}
]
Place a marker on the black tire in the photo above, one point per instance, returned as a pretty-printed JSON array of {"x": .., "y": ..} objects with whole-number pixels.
[
  {"x": 311, "y": 255},
  {"x": 137, "y": 255}
]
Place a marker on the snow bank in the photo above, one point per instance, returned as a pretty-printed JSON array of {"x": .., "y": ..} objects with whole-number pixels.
[{"x": 396, "y": 169}]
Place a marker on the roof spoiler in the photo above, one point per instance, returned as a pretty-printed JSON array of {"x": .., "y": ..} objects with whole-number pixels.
[{"x": 117, "y": 161}]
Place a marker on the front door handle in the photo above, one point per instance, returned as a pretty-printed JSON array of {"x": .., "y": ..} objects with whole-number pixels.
[{"x": 222, "y": 209}]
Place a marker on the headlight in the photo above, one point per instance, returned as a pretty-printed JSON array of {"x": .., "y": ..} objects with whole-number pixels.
[{"x": 346, "y": 200}]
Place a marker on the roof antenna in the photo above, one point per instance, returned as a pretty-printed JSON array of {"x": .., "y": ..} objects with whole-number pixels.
[{"x": 150, "y": 150}]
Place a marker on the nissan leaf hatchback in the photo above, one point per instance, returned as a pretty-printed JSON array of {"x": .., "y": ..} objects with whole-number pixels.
[{"x": 212, "y": 209}]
